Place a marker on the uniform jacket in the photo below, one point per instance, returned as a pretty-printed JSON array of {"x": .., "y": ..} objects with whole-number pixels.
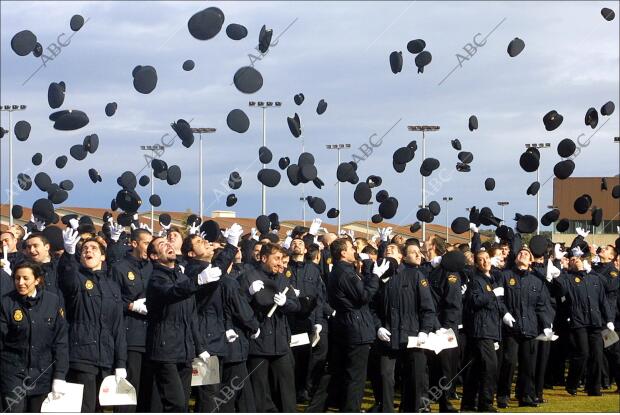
[
  {"x": 239, "y": 316},
  {"x": 306, "y": 277},
  {"x": 611, "y": 282},
  {"x": 585, "y": 299},
  {"x": 484, "y": 311},
  {"x": 448, "y": 298}
]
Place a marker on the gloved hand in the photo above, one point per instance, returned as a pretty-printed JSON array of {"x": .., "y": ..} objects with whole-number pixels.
[
  {"x": 379, "y": 270},
  {"x": 582, "y": 232},
  {"x": 385, "y": 233},
  {"x": 576, "y": 251},
  {"x": 255, "y": 335},
  {"x": 496, "y": 239},
  {"x": 463, "y": 289},
  {"x": 557, "y": 252},
  {"x": 39, "y": 224},
  {"x": 74, "y": 223},
  {"x": 587, "y": 267},
  {"x": 193, "y": 229},
  {"x": 231, "y": 335},
  {"x": 318, "y": 328},
  {"x": 27, "y": 233},
  {"x": 6, "y": 266},
  {"x": 422, "y": 337},
  {"x": 297, "y": 292},
  {"x": 256, "y": 286},
  {"x": 552, "y": 271},
  {"x": 495, "y": 261},
  {"x": 70, "y": 240},
  {"x": 610, "y": 326},
  {"x": 473, "y": 228},
  {"x": 548, "y": 332},
  {"x": 383, "y": 334},
  {"x": 204, "y": 356},
  {"x": 596, "y": 259},
  {"x": 254, "y": 234},
  {"x": 139, "y": 306},
  {"x": 233, "y": 234},
  {"x": 499, "y": 291},
  {"x": 115, "y": 231},
  {"x": 164, "y": 229},
  {"x": 146, "y": 227},
  {"x": 120, "y": 373},
  {"x": 314, "y": 228},
  {"x": 279, "y": 299},
  {"x": 209, "y": 274},
  {"x": 364, "y": 256},
  {"x": 287, "y": 242},
  {"x": 436, "y": 261},
  {"x": 509, "y": 320},
  {"x": 59, "y": 387},
  {"x": 351, "y": 233}
]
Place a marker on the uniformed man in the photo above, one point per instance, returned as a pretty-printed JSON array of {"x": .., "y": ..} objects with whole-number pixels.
[
  {"x": 38, "y": 251},
  {"x": 9, "y": 242},
  {"x": 175, "y": 237},
  {"x": 34, "y": 355}
]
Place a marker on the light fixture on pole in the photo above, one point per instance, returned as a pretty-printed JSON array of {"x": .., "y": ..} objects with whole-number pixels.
[
  {"x": 368, "y": 219},
  {"x": 423, "y": 128},
  {"x": 538, "y": 146},
  {"x": 10, "y": 109},
  {"x": 152, "y": 149},
  {"x": 338, "y": 147},
  {"x": 503, "y": 204},
  {"x": 447, "y": 199},
  {"x": 264, "y": 105},
  {"x": 201, "y": 130}
]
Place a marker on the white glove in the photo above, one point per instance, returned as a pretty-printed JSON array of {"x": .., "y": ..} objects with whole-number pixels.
[
  {"x": 495, "y": 261},
  {"x": 379, "y": 270},
  {"x": 193, "y": 229},
  {"x": 164, "y": 229},
  {"x": 422, "y": 337},
  {"x": 27, "y": 233},
  {"x": 203, "y": 235},
  {"x": 509, "y": 320},
  {"x": 383, "y": 334},
  {"x": 74, "y": 223},
  {"x": 385, "y": 233},
  {"x": 120, "y": 373},
  {"x": 552, "y": 271},
  {"x": 582, "y": 232},
  {"x": 287, "y": 242},
  {"x": 499, "y": 291},
  {"x": 233, "y": 234},
  {"x": 596, "y": 259},
  {"x": 436, "y": 261},
  {"x": 139, "y": 306},
  {"x": 496, "y": 239},
  {"x": 40, "y": 225},
  {"x": 256, "y": 286},
  {"x": 473, "y": 228},
  {"x": 209, "y": 274},
  {"x": 297, "y": 292},
  {"x": 576, "y": 251},
  {"x": 610, "y": 326},
  {"x": 496, "y": 345},
  {"x": 115, "y": 231},
  {"x": 204, "y": 356},
  {"x": 70, "y": 238},
  {"x": 279, "y": 299},
  {"x": 463, "y": 289},
  {"x": 548, "y": 332},
  {"x": 314, "y": 228},
  {"x": 442, "y": 330},
  {"x": 255, "y": 335},
  {"x": 557, "y": 252},
  {"x": 334, "y": 313},
  {"x": 587, "y": 267},
  {"x": 59, "y": 387},
  {"x": 351, "y": 233},
  {"x": 6, "y": 267},
  {"x": 254, "y": 234},
  {"x": 318, "y": 328},
  {"x": 364, "y": 256},
  {"x": 231, "y": 335},
  {"x": 146, "y": 227}
]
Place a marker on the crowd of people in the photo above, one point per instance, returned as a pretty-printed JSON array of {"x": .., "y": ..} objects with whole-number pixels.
[{"x": 78, "y": 305}]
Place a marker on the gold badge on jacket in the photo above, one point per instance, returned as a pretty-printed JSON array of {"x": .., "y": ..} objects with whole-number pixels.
[
  {"x": 424, "y": 283},
  {"x": 18, "y": 315},
  {"x": 452, "y": 279},
  {"x": 613, "y": 274},
  {"x": 329, "y": 260},
  {"x": 89, "y": 284},
  {"x": 131, "y": 276},
  {"x": 577, "y": 280},
  {"x": 512, "y": 282},
  {"x": 489, "y": 289},
  {"x": 288, "y": 274},
  {"x": 61, "y": 312}
]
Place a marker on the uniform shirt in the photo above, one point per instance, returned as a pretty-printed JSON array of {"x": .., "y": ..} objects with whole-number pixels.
[{"x": 33, "y": 342}]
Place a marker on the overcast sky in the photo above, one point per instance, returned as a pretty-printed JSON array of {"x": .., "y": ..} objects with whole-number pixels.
[{"x": 337, "y": 51}]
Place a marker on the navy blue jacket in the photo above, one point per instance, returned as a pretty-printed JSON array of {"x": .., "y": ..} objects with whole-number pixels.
[
  {"x": 484, "y": 311},
  {"x": 6, "y": 283},
  {"x": 95, "y": 315},
  {"x": 612, "y": 286},
  {"x": 239, "y": 317},
  {"x": 132, "y": 276},
  {"x": 306, "y": 277},
  {"x": 448, "y": 298},
  {"x": 50, "y": 269},
  {"x": 33, "y": 342},
  {"x": 586, "y": 303},
  {"x": 350, "y": 295},
  {"x": 172, "y": 332},
  {"x": 404, "y": 306}
]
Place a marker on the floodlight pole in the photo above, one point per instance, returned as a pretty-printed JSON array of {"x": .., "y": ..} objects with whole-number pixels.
[
  {"x": 10, "y": 109},
  {"x": 201, "y": 130},
  {"x": 338, "y": 147},
  {"x": 447, "y": 199},
  {"x": 503, "y": 205},
  {"x": 368, "y": 219},
  {"x": 538, "y": 146},
  {"x": 152, "y": 149}
]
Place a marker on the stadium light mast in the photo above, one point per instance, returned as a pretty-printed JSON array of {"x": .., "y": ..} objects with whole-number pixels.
[
  {"x": 538, "y": 146},
  {"x": 338, "y": 147},
  {"x": 200, "y": 131}
]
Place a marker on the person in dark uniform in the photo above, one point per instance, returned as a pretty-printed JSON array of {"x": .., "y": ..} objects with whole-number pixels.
[
  {"x": 403, "y": 307},
  {"x": 132, "y": 275},
  {"x": 483, "y": 326},
  {"x": 175, "y": 237},
  {"x": 353, "y": 331},
  {"x": 270, "y": 353},
  {"x": 8, "y": 240},
  {"x": 172, "y": 338},
  {"x": 97, "y": 341},
  {"x": 38, "y": 251},
  {"x": 589, "y": 312},
  {"x": 34, "y": 354},
  {"x": 527, "y": 301}
]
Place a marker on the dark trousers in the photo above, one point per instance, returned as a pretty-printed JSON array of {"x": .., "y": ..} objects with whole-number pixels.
[
  {"x": 92, "y": 383},
  {"x": 542, "y": 360},
  {"x": 301, "y": 354},
  {"x": 281, "y": 371},
  {"x": 442, "y": 370},
  {"x": 235, "y": 377},
  {"x": 349, "y": 368},
  {"x": 482, "y": 377},
  {"x": 173, "y": 382},
  {"x": 612, "y": 353},
  {"x": 586, "y": 348},
  {"x": 137, "y": 375},
  {"x": 208, "y": 396},
  {"x": 30, "y": 404},
  {"x": 317, "y": 364},
  {"x": 413, "y": 368},
  {"x": 517, "y": 347}
]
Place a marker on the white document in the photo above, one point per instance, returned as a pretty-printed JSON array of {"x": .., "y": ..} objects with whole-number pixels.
[
  {"x": 205, "y": 373},
  {"x": 436, "y": 341},
  {"x": 112, "y": 393},
  {"x": 544, "y": 338},
  {"x": 299, "y": 339},
  {"x": 71, "y": 401},
  {"x": 609, "y": 337}
]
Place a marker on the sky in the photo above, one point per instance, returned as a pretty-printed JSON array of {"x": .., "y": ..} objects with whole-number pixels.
[{"x": 336, "y": 51}]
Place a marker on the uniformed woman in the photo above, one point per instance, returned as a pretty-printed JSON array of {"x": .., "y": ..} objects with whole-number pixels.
[{"x": 34, "y": 357}]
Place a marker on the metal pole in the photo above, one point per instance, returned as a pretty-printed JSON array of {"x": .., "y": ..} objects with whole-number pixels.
[
  {"x": 447, "y": 235},
  {"x": 339, "y": 211},
  {"x": 538, "y": 203},
  {"x": 200, "y": 181},
  {"x": 152, "y": 192},
  {"x": 303, "y": 189},
  {"x": 367, "y": 222},
  {"x": 502, "y": 213},
  {"x": 423, "y": 186},
  {"x": 10, "y": 170},
  {"x": 263, "y": 189}
]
